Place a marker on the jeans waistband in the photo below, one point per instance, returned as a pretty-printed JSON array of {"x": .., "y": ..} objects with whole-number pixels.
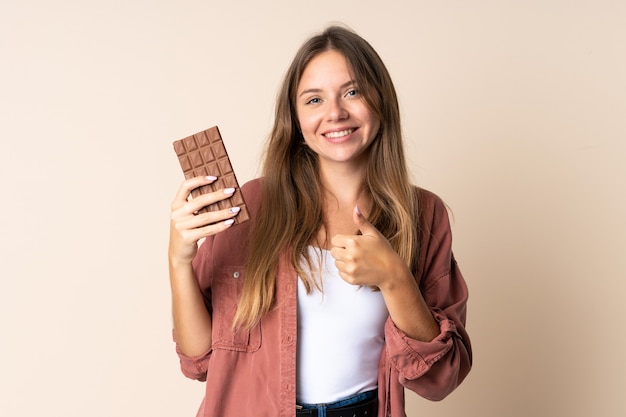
[{"x": 361, "y": 405}]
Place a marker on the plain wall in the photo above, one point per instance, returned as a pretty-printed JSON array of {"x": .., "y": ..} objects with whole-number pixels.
[{"x": 513, "y": 111}]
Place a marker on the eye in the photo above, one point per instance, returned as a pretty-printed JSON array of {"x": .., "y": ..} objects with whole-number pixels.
[
  {"x": 314, "y": 100},
  {"x": 352, "y": 93}
]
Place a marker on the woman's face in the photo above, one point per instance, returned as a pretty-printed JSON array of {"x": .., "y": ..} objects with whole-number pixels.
[{"x": 336, "y": 122}]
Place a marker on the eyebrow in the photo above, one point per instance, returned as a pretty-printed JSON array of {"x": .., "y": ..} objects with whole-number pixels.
[{"x": 317, "y": 90}]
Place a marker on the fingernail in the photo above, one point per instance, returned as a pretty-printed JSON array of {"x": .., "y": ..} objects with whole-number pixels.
[
  {"x": 229, "y": 190},
  {"x": 229, "y": 222},
  {"x": 211, "y": 178},
  {"x": 234, "y": 210},
  {"x": 358, "y": 210}
]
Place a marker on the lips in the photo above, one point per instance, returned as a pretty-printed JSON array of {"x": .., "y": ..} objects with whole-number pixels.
[{"x": 338, "y": 134}]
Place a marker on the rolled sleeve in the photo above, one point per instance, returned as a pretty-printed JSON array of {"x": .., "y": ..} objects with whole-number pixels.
[
  {"x": 193, "y": 367},
  {"x": 434, "y": 369},
  {"x": 413, "y": 358}
]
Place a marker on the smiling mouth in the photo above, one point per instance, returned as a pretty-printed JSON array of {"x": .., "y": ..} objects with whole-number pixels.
[{"x": 339, "y": 134}]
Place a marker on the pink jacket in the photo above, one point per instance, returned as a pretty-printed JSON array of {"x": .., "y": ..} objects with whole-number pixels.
[{"x": 254, "y": 372}]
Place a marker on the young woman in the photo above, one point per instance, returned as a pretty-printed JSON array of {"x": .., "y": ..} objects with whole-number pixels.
[{"x": 342, "y": 289}]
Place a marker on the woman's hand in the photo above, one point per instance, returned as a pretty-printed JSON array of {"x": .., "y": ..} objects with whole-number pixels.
[
  {"x": 187, "y": 228},
  {"x": 367, "y": 259}
]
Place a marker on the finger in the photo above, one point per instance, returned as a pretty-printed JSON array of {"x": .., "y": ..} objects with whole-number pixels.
[
  {"x": 204, "y": 200},
  {"x": 337, "y": 241},
  {"x": 207, "y": 218},
  {"x": 208, "y": 230},
  {"x": 337, "y": 252},
  {"x": 347, "y": 271},
  {"x": 191, "y": 184},
  {"x": 362, "y": 223},
  {"x": 344, "y": 241},
  {"x": 183, "y": 244},
  {"x": 191, "y": 227}
]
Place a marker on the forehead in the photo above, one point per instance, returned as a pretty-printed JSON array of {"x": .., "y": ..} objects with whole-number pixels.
[{"x": 326, "y": 68}]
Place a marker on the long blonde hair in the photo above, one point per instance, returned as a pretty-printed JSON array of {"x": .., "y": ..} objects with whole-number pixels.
[{"x": 291, "y": 214}]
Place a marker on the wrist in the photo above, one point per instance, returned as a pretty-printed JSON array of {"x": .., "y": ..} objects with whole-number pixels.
[
  {"x": 400, "y": 279},
  {"x": 178, "y": 263}
]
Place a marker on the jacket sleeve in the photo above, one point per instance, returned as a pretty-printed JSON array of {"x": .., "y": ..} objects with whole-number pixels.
[
  {"x": 434, "y": 369},
  {"x": 196, "y": 367},
  {"x": 193, "y": 367}
]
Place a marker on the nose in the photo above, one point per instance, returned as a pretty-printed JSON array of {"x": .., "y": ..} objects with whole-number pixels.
[{"x": 336, "y": 110}]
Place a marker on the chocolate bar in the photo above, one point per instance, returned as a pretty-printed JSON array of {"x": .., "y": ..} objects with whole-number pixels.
[{"x": 204, "y": 154}]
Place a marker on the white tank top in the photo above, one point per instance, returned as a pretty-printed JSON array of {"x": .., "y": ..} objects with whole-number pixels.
[{"x": 340, "y": 336}]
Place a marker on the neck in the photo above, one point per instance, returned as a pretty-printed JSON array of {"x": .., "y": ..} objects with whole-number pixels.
[{"x": 344, "y": 186}]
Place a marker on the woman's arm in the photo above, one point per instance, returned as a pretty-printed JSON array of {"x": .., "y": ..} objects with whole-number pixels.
[
  {"x": 434, "y": 369},
  {"x": 192, "y": 321},
  {"x": 368, "y": 259},
  {"x": 425, "y": 335}
]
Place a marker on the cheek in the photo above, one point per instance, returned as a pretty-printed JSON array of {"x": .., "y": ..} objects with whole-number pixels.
[
  {"x": 367, "y": 116},
  {"x": 308, "y": 124}
]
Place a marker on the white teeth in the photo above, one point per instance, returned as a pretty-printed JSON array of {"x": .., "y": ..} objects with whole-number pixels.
[{"x": 339, "y": 134}]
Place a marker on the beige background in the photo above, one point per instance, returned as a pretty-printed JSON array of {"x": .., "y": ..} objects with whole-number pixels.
[{"x": 513, "y": 113}]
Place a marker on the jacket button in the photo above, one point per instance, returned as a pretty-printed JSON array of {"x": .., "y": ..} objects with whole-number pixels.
[{"x": 236, "y": 274}]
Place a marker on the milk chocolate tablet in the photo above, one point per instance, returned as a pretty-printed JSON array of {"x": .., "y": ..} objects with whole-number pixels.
[{"x": 204, "y": 154}]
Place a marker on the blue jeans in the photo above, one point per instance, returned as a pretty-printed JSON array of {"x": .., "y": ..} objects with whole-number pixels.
[{"x": 321, "y": 408}]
